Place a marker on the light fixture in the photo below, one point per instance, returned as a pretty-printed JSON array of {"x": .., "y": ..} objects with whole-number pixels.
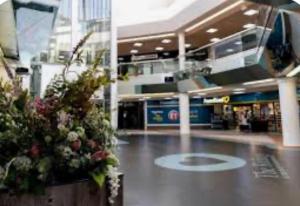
[
  {"x": 211, "y": 30},
  {"x": 188, "y": 45},
  {"x": 294, "y": 72},
  {"x": 259, "y": 82},
  {"x": 168, "y": 98},
  {"x": 134, "y": 51},
  {"x": 238, "y": 92},
  {"x": 238, "y": 43},
  {"x": 191, "y": 28},
  {"x": 121, "y": 59},
  {"x": 159, "y": 48},
  {"x": 229, "y": 50},
  {"x": 166, "y": 53},
  {"x": 251, "y": 12},
  {"x": 249, "y": 26},
  {"x": 166, "y": 41},
  {"x": 214, "y": 40},
  {"x": 146, "y": 38},
  {"x": 238, "y": 89},
  {"x": 297, "y": 1},
  {"x": 138, "y": 44},
  {"x": 205, "y": 90}
]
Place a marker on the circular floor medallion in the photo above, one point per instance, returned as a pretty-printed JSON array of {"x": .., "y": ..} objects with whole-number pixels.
[{"x": 177, "y": 162}]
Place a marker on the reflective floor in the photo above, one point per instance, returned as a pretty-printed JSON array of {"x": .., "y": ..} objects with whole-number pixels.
[{"x": 206, "y": 172}]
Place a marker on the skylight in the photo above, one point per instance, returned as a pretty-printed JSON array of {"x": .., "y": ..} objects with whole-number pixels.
[{"x": 131, "y": 12}]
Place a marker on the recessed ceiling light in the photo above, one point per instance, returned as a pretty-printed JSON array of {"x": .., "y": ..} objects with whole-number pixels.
[
  {"x": 138, "y": 44},
  {"x": 229, "y": 50},
  {"x": 188, "y": 45},
  {"x": 249, "y": 26},
  {"x": 168, "y": 98},
  {"x": 251, "y": 12},
  {"x": 238, "y": 43},
  {"x": 166, "y": 41},
  {"x": 215, "y": 40},
  {"x": 211, "y": 30},
  {"x": 159, "y": 48},
  {"x": 134, "y": 51}
]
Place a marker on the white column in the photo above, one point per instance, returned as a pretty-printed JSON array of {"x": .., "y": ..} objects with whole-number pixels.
[
  {"x": 184, "y": 101},
  {"x": 114, "y": 67},
  {"x": 75, "y": 23},
  {"x": 289, "y": 111}
]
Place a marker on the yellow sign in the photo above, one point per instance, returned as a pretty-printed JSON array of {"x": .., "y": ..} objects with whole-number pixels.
[{"x": 217, "y": 100}]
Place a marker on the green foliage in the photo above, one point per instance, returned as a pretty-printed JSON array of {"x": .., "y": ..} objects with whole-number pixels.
[{"x": 62, "y": 137}]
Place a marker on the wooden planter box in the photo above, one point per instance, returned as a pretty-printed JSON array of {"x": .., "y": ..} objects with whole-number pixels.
[{"x": 77, "y": 194}]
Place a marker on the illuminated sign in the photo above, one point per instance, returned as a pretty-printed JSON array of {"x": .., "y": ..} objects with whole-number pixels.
[{"x": 217, "y": 100}]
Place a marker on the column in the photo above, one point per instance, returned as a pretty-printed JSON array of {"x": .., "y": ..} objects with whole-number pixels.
[
  {"x": 289, "y": 111},
  {"x": 114, "y": 67},
  {"x": 75, "y": 23},
  {"x": 184, "y": 101}
]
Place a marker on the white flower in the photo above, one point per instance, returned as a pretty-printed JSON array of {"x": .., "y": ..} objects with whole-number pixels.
[
  {"x": 22, "y": 163},
  {"x": 72, "y": 136},
  {"x": 75, "y": 163},
  {"x": 114, "y": 183}
]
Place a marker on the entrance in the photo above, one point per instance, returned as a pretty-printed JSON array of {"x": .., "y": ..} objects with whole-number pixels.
[{"x": 131, "y": 115}]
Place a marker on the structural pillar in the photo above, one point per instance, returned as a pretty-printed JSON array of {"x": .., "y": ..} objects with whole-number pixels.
[
  {"x": 184, "y": 100},
  {"x": 289, "y": 111},
  {"x": 114, "y": 67}
]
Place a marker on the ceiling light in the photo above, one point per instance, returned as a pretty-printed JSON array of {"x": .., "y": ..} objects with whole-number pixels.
[
  {"x": 159, "y": 48},
  {"x": 146, "y": 38},
  {"x": 294, "y": 72},
  {"x": 229, "y": 50},
  {"x": 259, "y": 82},
  {"x": 166, "y": 53},
  {"x": 134, "y": 51},
  {"x": 215, "y": 40},
  {"x": 205, "y": 90},
  {"x": 138, "y": 44},
  {"x": 214, "y": 15},
  {"x": 249, "y": 26},
  {"x": 211, "y": 30},
  {"x": 297, "y": 1},
  {"x": 239, "y": 89},
  {"x": 238, "y": 92},
  {"x": 188, "y": 45},
  {"x": 168, "y": 98},
  {"x": 251, "y": 12},
  {"x": 166, "y": 41},
  {"x": 121, "y": 59},
  {"x": 238, "y": 43}
]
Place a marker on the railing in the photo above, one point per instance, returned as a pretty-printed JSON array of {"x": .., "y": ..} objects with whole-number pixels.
[
  {"x": 149, "y": 67},
  {"x": 236, "y": 51}
]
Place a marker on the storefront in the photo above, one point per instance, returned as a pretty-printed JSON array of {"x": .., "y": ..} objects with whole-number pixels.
[{"x": 257, "y": 112}]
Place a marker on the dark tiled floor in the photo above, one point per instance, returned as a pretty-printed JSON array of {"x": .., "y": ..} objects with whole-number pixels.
[{"x": 149, "y": 185}]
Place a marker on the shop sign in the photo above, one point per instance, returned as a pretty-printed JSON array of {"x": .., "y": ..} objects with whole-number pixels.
[{"x": 217, "y": 100}]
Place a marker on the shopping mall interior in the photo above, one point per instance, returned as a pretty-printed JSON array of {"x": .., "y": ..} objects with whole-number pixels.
[{"x": 149, "y": 102}]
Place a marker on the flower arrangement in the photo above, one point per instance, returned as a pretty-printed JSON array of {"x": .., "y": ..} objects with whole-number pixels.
[{"x": 60, "y": 138}]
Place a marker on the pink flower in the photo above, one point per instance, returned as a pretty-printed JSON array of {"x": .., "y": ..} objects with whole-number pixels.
[
  {"x": 99, "y": 155},
  {"x": 34, "y": 151}
]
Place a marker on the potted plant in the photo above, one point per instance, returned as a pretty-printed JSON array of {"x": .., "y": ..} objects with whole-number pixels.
[{"x": 50, "y": 146}]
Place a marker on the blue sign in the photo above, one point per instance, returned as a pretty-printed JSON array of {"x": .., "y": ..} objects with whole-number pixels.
[{"x": 170, "y": 115}]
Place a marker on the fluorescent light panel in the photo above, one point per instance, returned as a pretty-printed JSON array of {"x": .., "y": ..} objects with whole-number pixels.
[
  {"x": 146, "y": 38},
  {"x": 134, "y": 51},
  {"x": 205, "y": 90},
  {"x": 259, "y": 82},
  {"x": 294, "y": 71},
  {"x": 214, "y": 16},
  {"x": 138, "y": 44},
  {"x": 166, "y": 41},
  {"x": 159, "y": 48}
]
